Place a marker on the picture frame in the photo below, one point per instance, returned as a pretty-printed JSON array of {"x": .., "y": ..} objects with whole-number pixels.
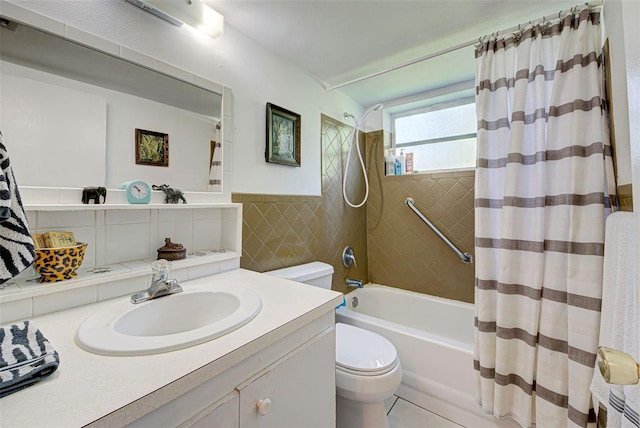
[
  {"x": 283, "y": 136},
  {"x": 152, "y": 148}
]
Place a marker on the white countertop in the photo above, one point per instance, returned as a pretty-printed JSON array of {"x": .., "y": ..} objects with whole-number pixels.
[{"x": 87, "y": 387}]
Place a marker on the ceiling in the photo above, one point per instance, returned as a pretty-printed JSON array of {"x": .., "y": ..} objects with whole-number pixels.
[{"x": 340, "y": 40}]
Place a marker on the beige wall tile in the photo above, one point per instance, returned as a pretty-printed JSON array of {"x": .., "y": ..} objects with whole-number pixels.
[
  {"x": 285, "y": 230},
  {"x": 403, "y": 252},
  {"x": 392, "y": 245}
]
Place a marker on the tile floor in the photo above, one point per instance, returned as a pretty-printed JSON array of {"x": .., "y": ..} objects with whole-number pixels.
[{"x": 403, "y": 414}]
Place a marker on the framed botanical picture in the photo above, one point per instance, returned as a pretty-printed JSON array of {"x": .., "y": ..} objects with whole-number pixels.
[
  {"x": 283, "y": 136},
  {"x": 152, "y": 148}
]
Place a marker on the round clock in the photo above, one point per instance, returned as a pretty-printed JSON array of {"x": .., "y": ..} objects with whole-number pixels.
[{"x": 138, "y": 191}]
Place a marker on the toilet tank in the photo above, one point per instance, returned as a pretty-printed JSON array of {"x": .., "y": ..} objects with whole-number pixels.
[{"x": 315, "y": 273}]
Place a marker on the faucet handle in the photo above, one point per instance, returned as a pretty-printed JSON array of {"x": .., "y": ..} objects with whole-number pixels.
[
  {"x": 161, "y": 266},
  {"x": 348, "y": 258}
]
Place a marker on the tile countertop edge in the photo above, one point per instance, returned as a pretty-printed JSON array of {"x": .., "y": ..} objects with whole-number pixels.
[{"x": 59, "y": 397}]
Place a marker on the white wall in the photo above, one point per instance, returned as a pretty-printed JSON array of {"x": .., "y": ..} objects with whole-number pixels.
[{"x": 255, "y": 75}]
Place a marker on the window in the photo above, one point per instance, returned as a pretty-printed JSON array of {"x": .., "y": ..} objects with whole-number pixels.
[{"x": 442, "y": 137}]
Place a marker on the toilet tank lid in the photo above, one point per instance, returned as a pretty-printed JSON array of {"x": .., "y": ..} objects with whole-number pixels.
[{"x": 302, "y": 273}]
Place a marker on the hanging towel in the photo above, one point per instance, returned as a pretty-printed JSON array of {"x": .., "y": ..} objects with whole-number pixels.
[
  {"x": 619, "y": 318},
  {"x": 26, "y": 356},
  {"x": 16, "y": 245}
]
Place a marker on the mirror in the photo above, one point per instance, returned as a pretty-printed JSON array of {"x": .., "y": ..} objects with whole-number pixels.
[{"x": 69, "y": 115}]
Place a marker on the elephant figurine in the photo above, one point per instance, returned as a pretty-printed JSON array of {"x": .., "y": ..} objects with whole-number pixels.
[
  {"x": 171, "y": 196},
  {"x": 94, "y": 193}
]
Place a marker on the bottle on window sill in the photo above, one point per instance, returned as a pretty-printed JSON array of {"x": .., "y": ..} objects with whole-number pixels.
[
  {"x": 389, "y": 164},
  {"x": 402, "y": 158},
  {"x": 397, "y": 167},
  {"x": 409, "y": 163}
]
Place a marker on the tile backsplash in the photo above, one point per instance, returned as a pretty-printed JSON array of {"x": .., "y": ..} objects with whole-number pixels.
[
  {"x": 116, "y": 236},
  {"x": 125, "y": 240}
]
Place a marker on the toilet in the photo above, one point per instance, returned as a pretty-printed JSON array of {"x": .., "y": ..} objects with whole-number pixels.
[{"x": 368, "y": 370}]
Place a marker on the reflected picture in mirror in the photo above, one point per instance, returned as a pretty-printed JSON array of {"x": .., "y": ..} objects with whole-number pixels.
[{"x": 152, "y": 148}]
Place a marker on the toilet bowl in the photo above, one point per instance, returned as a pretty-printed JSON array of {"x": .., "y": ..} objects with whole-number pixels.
[{"x": 368, "y": 370}]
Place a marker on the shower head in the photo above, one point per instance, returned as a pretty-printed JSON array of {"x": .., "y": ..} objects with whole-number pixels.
[{"x": 364, "y": 116}]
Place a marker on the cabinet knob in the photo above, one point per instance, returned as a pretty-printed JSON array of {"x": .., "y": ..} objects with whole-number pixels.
[{"x": 263, "y": 406}]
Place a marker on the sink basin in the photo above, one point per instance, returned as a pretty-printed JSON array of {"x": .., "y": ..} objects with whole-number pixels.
[{"x": 168, "y": 323}]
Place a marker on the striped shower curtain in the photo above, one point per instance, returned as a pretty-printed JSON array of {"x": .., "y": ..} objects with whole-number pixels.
[
  {"x": 215, "y": 169},
  {"x": 543, "y": 178}
]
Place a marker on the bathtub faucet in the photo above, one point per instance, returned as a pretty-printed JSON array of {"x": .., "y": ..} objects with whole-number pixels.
[{"x": 354, "y": 283}]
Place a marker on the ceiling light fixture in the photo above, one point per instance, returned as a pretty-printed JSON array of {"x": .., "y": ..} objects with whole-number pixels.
[{"x": 194, "y": 13}]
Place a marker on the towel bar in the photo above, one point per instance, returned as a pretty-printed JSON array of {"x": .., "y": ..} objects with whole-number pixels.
[{"x": 465, "y": 257}]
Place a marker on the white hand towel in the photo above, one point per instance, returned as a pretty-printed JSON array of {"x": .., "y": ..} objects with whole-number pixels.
[{"x": 619, "y": 317}]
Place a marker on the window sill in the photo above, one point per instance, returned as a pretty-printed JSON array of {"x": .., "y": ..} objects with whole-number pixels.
[{"x": 439, "y": 173}]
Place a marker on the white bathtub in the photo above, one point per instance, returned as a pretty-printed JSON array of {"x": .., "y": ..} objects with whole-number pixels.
[{"x": 434, "y": 340}]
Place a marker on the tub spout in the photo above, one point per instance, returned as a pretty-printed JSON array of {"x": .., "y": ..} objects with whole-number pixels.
[{"x": 354, "y": 283}]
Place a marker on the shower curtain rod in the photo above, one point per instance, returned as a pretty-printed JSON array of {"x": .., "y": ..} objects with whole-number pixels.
[{"x": 593, "y": 4}]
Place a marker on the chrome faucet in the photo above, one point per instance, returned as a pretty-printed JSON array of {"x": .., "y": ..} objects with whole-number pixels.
[
  {"x": 160, "y": 286},
  {"x": 354, "y": 283}
]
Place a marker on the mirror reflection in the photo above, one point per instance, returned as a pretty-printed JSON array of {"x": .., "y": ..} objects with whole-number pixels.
[{"x": 69, "y": 116}]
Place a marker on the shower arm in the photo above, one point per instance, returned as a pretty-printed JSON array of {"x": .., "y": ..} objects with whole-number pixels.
[{"x": 465, "y": 257}]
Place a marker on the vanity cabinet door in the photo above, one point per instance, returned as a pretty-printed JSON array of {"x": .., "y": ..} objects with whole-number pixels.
[
  {"x": 222, "y": 414},
  {"x": 297, "y": 393}
]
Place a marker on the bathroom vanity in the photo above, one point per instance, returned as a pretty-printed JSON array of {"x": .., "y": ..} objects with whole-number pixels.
[{"x": 276, "y": 370}]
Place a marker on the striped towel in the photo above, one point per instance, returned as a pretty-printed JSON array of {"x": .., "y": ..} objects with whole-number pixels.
[
  {"x": 16, "y": 245},
  {"x": 26, "y": 356}
]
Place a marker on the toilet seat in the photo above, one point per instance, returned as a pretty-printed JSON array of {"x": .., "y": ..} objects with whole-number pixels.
[{"x": 362, "y": 352}]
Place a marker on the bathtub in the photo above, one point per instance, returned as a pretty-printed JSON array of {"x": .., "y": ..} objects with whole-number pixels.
[{"x": 434, "y": 340}]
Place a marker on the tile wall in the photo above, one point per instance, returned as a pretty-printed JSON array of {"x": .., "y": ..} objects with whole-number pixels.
[
  {"x": 625, "y": 197},
  {"x": 392, "y": 246},
  {"x": 126, "y": 241},
  {"x": 283, "y": 230},
  {"x": 403, "y": 251},
  {"x": 115, "y": 236}
]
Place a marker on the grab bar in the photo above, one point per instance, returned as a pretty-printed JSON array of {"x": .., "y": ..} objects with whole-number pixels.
[{"x": 465, "y": 257}]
